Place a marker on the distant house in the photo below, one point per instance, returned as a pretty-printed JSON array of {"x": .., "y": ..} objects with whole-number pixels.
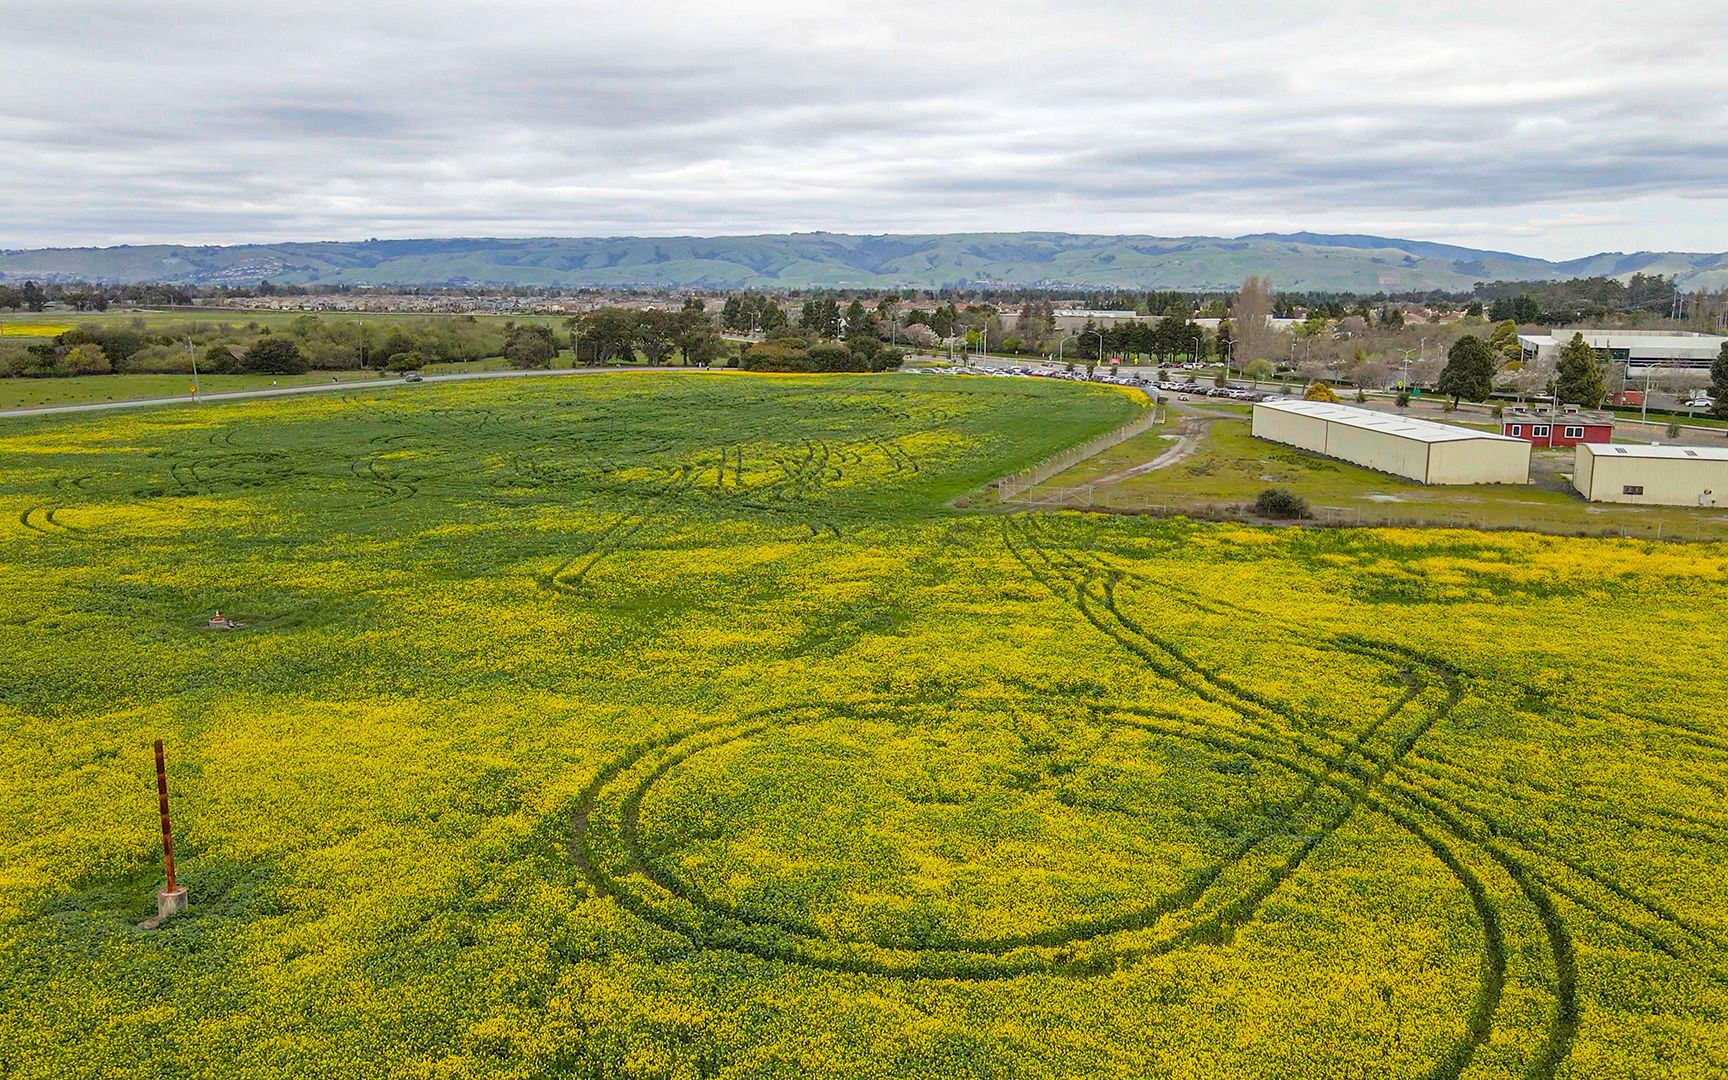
[{"x": 1567, "y": 428}]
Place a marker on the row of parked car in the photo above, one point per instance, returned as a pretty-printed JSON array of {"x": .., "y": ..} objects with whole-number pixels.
[
  {"x": 1234, "y": 393},
  {"x": 1102, "y": 375}
]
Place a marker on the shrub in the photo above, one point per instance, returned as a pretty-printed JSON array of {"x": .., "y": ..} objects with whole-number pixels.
[
  {"x": 406, "y": 361},
  {"x": 88, "y": 360},
  {"x": 1281, "y": 503},
  {"x": 1320, "y": 391},
  {"x": 162, "y": 360}
]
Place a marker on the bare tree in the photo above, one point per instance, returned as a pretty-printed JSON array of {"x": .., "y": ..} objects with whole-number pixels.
[{"x": 1248, "y": 315}]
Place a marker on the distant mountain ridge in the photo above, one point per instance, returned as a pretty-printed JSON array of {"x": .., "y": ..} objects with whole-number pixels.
[{"x": 1296, "y": 261}]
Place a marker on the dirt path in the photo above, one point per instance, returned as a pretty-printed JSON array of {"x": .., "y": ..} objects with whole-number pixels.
[{"x": 1192, "y": 428}]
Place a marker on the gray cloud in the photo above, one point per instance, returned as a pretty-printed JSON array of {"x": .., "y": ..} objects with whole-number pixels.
[{"x": 1568, "y": 127}]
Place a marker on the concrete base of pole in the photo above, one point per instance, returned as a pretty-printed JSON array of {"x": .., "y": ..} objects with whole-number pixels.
[{"x": 171, "y": 902}]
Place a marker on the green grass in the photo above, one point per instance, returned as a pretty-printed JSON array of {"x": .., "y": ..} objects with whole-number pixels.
[
  {"x": 1231, "y": 467},
  {"x": 86, "y": 389}
]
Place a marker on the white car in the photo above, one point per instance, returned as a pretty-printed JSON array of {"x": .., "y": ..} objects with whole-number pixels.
[{"x": 1700, "y": 403}]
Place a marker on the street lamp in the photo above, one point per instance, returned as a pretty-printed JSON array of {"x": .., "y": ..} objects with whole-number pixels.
[
  {"x": 193, "y": 353},
  {"x": 1099, "y": 334},
  {"x": 1407, "y": 353},
  {"x": 1059, "y": 343}
]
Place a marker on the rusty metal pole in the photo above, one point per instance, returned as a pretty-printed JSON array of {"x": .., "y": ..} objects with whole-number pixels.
[
  {"x": 172, "y": 899},
  {"x": 167, "y": 826}
]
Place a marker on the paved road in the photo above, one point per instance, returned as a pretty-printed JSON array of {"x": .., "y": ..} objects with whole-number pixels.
[{"x": 321, "y": 388}]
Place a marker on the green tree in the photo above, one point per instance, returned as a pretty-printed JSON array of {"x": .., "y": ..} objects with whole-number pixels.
[
  {"x": 276, "y": 355},
  {"x": 1503, "y": 343},
  {"x": 1578, "y": 374},
  {"x": 657, "y": 335},
  {"x": 735, "y": 313},
  {"x": 769, "y": 317},
  {"x": 858, "y": 321},
  {"x": 530, "y": 346},
  {"x": 1719, "y": 383},
  {"x": 1257, "y": 369},
  {"x": 1469, "y": 371},
  {"x": 820, "y": 315},
  {"x": 696, "y": 339}
]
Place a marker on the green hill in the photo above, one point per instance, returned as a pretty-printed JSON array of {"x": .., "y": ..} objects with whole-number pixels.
[{"x": 802, "y": 260}]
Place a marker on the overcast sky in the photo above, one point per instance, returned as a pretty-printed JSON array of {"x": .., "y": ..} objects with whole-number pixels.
[{"x": 1551, "y": 129}]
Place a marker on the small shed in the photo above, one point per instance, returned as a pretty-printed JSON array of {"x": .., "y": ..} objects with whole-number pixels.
[{"x": 1652, "y": 475}]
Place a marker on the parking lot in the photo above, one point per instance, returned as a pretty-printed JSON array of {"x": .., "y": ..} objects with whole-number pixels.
[{"x": 1111, "y": 376}]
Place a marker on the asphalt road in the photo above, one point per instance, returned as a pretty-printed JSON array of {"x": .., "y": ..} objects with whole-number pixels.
[{"x": 321, "y": 388}]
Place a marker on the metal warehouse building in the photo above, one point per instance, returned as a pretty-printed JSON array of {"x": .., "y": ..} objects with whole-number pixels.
[
  {"x": 1404, "y": 446},
  {"x": 1654, "y": 475}
]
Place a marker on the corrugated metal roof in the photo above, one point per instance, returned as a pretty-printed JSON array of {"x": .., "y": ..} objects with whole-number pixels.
[
  {"x": 1404, "y": 427},
  {"x": 1699, "y": 453}
]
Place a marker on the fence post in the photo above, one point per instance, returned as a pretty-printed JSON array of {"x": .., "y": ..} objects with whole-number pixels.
[{"x": 172, "y": 899}]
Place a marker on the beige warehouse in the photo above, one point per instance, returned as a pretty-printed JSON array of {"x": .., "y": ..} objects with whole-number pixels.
[
  {"x": 1653, "y": 475},
  {"x": 1404, "y": 446}
]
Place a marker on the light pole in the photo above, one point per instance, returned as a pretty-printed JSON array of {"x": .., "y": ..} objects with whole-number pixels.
[
  {"x": 1059, "y": 342},
  {"x": 1099, "y": 334},
  {"x": 193, "y": 353},
  {"x": 1407, "y": 353}
]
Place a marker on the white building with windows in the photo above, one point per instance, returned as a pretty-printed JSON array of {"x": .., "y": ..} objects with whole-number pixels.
[
  {"x": 1637, "y": 349},
  {"x": 1653, "y": 475}
]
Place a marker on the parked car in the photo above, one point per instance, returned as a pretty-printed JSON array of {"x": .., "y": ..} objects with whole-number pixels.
[{"x": 1700, "y": 402}]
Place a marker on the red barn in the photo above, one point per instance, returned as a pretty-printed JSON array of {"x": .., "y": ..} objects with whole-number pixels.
[{"x": 1543, "y": 427}]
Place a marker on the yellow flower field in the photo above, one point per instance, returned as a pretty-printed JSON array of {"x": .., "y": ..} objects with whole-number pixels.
[{"x": 683, "y": 727}]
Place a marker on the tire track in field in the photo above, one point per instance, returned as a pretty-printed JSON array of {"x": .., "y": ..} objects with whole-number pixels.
[
  {"x": 1090, "y": 588},
  {"x": 569, "y": 575}
]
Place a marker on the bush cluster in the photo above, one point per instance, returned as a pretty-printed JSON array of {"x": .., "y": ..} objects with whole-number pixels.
[
  {"x": 804, "y": 354},
  {"x": 1281, "y": 503}
]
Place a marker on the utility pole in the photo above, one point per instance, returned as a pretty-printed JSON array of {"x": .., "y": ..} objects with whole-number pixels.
[{"x": 193, "y": 353}]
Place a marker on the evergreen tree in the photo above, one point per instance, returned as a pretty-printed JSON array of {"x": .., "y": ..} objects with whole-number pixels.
[
  {"x": 1469, "y": 371},
  {"x": 1578, "y": 375},
  {"x": 1719, "y": 383},
  {"x": 821, "y": 315},
  {"x": 858, "y": 321}
]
